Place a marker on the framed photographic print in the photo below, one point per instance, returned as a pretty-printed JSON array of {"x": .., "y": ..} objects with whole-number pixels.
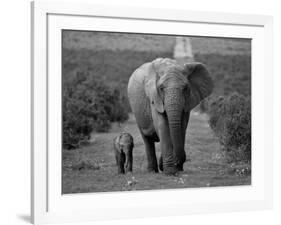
[{"x": 140, "y": 112}]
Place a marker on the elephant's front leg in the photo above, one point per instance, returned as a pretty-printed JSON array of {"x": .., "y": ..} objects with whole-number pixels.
[
  {"x": 150, "y": 153},
  {"x": 120, "y": 161},
  {"x": 129, "y": 162},
  {"x": 167, "y": 160}
]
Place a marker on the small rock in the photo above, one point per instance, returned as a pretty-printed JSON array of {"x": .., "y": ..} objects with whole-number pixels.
[{"x": 181, "y": 181}]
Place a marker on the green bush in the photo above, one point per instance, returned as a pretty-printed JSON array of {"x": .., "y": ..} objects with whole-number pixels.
[
  {"x": 89, "y": 105},
  {"x": 230, "y": 119}
]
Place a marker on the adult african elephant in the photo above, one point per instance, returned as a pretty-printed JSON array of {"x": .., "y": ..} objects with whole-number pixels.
[{"x": 161, "y": 94}]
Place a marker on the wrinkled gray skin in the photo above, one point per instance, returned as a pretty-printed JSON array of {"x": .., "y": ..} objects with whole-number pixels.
[
  {"x": 123, "y": 149},
  {"x": 161, "y": 94}
]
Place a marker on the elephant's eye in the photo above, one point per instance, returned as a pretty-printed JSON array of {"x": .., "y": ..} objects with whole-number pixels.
[
  {"x": 187, "y": 90},
  {"x": 161, "y": 87}
]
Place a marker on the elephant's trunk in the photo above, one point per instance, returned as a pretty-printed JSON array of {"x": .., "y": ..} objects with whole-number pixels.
[{"x": 174, "y": 108}]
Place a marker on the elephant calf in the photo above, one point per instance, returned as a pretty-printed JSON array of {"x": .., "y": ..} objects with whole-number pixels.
[{"x": 123, "y": 149}]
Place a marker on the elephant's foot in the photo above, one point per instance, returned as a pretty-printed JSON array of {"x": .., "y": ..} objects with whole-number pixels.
[
  {"x": 180, "y": 161},
  {"x": 129, "y": 171},
  {"x": 152, "y": 169},
  {"x": 170, "y": 171},
  {"x": 152, "y": 166},
  {"x": 121, "y": 171},
  {"x": 179, "y": 167}
]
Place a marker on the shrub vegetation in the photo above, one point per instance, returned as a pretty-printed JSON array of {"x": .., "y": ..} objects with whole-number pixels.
[
  {"x": 89, "y": 105},
  {"x": 230, "y": 119}
]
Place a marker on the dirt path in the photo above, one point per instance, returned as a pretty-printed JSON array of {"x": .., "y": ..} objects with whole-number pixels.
[
  {"x": 183, "y": 50},
  {"x": 93, "y": 169}
]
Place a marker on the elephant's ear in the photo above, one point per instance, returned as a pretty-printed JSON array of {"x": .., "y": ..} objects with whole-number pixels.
[
  {"x": 201, "y": 84},
  {"x": 117, "y": 143},
  {"x": 151, "y": 89}
]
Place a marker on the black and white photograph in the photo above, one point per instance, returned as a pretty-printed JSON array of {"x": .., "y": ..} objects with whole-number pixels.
[{"x": 154, "y": 111}]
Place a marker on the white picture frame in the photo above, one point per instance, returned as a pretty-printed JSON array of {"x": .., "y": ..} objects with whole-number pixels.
[{"x": 48, "y": 205}]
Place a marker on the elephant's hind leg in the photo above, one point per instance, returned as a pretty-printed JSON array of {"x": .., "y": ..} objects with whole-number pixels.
[
  {"x": 152, "y": 165},
  {"x": 161, "y": 163}
]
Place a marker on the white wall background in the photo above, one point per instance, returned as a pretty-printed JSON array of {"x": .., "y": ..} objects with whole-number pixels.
[{"x": 15, "y": 109}]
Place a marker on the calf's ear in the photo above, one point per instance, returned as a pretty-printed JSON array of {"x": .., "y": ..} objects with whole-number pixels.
[{"x": 117, "y": 143}]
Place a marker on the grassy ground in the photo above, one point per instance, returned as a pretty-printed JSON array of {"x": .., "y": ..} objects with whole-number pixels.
[{"x": 92, "y": 168}]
